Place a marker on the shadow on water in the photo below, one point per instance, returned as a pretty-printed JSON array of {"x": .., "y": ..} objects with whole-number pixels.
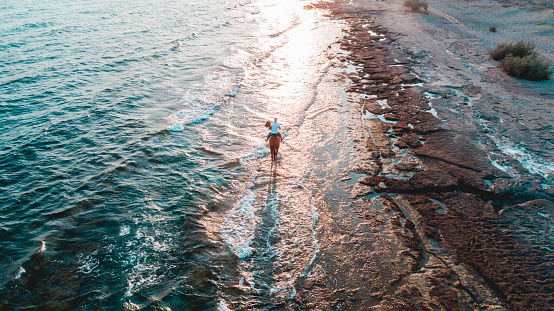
[{"x": 265, "y": 243}]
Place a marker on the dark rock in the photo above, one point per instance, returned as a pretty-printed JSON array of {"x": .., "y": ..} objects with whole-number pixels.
[
  {"x": 433, "y": 180},
  {"x": 432, "y": 233},
  {"x": 391, "y": 117},
  {"x": 412, "y": 140},
  {"x": 456, "y": 149},
  {"x": 401, "y": 144},
  {"x": 406, "y": 165},
  {"x": 468, "y": 205},
  {"x": 395, "y": 222},
  {"x": 372, "y": 181},
  {"x": 508, "y": 249},
  {"x": 523, "y": 186},
  {"x": 447, "y": 296},
  {"x": 398, "y": 185},
  {"x": 391, "y": 203}
]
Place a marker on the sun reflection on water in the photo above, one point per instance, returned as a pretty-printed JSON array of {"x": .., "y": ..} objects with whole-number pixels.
[{"x": 290, "y": 51}]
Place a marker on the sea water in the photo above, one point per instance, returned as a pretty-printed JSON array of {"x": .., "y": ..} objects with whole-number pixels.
[{"x": 133, "y": 168}]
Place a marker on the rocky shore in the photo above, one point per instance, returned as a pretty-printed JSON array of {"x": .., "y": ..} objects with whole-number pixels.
[{"x": 459, "y": 154}]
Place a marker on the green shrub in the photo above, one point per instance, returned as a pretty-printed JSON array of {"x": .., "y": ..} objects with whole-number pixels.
[
  {"x": 522, "y": 61},
  {"x": 416, "y": 5},
  {"x": 492, "y": 29},
  {"x": 520, "y": 49},
  {"x": 531, "y": 67}
]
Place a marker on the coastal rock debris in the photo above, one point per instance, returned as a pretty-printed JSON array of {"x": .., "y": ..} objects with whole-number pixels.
[{"x": 473, "y": 222}]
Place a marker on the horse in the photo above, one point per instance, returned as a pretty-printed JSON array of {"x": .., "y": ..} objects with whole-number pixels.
[{"x": 274, "y": 143}]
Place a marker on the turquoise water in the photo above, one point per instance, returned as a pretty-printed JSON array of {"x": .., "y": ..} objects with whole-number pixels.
[{"x": 134, "y": 174}]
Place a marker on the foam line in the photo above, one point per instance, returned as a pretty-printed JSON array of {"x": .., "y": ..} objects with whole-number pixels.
[
  {"x": 239, "y": 225},
  {"x": 315, "y": 218}
]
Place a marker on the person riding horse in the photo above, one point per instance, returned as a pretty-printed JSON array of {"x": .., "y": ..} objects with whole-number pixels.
[
  {"x": 274, "y": 138},
  {"x": 274, "y": 129}
]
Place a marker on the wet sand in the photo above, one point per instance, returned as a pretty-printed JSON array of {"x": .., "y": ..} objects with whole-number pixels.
[{"x": 458, "y": 166}]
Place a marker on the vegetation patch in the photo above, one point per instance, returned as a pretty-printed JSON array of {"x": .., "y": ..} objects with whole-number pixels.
[
  {"x": 530, "y": 67},
  {"x": 520, "y": 49},
  {"x": 521, "y": 60},
  {"x": 416, "y": 5}
]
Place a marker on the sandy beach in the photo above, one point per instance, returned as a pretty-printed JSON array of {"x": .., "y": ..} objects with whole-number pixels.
[{"x": 460, "y": 151}]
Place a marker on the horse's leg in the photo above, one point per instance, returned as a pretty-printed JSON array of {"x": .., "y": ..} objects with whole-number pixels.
[{"x": 274, "y": 147}]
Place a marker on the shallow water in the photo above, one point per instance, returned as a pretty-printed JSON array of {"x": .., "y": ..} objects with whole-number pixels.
[{"x": 135, "y": 174}]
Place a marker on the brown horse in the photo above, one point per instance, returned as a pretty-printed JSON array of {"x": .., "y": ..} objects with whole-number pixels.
[{"x": 274, "y": 143}]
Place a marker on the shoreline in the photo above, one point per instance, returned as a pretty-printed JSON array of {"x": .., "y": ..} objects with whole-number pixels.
[{"x": 442, "y": 118}]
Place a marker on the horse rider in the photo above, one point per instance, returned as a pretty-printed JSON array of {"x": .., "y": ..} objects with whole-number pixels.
[{"x": 274, "y": 130}]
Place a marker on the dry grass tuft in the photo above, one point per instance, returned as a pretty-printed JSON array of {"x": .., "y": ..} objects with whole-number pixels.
[{"x": 417, "y": 5}]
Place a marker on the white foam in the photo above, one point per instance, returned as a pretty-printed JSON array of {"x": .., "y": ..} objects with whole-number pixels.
[
  {"x": 315, "y": 218},
  {"x": 254, "y": 154},
  {"x": 191, "y": 115},
  {"x": 88, "y": 263},
  {"x": 42, "y": 248},
  {"x": 124, "y": 230},
  {"x": 202, "y": 101},
  {"x": 136, "y": 283},
  {"x": 531, "y": 162},
  {"x": 177, "y": 127},
  {"x": 432, "y": 95},
  {"x": 20, "y": 273},
  {"x": 373, "y": 33},
  {"x": 239, "y": 225},
  {"x": 222, "y": 305},
  {"x": 235, "y": 91},
  {"x": 504, "y": 168},
  {"x": 141, "y": 274},
  {"x": 130, "y": 306}
]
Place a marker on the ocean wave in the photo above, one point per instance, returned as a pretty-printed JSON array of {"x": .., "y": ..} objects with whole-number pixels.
[
  {"x": 239, "y": 225},
  {"x": 191, "y": 115},
  {"x": 202, "y": 101},
  {"x": 254, "y": 154}
]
